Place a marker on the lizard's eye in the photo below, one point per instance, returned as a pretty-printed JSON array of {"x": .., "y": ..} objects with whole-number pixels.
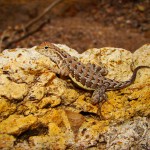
[{"x": 46, "y": 47}]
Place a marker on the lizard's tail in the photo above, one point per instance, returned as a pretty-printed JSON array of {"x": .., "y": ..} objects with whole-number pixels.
[{"x": 120, "y": 85}]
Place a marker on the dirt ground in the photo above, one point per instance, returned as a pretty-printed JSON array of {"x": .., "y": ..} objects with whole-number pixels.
[{"x": 82, "y": 24}]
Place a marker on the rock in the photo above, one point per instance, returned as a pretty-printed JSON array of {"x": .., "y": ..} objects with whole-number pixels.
[
  {"x": 6, "y": 141},
  {"x": 141, "y": 57},
  {"x": 12, "y": 90},
  {"x": 49, "y": 141},
  {"x": 84, "y": 106},
  {"x": 23, "y": 145},
  {"x": 90, "y": 132},
  {"x": 43, "y": 142},
  {"x": 6, "y": 108},
  {"x": 134, "y": 134},
  {"x": 53, "y": 101},
  {"x": 27, "y": 107},
  {"x": 42, "y": 110},
  {"x": 70, "y": 96},
  {"x": 59, "y": 131},
  {"x": 16, "y": 124},
  {"x": 36, "y": 92},
  {"x": 52, "y": 115},
  {"x": 75, "y": 120}
]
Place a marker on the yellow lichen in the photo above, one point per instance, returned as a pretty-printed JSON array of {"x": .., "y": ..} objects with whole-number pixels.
[
  {"x": 16, "y": 124},
  {"x": 6, "y": 141},
  {"x": 82, "y": 105},
  {"x": 11, "y": 89},
  {"x": 6, "y": 108}
]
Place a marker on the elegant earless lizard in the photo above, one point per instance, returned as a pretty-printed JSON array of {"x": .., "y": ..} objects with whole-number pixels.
[{"x": 87, "y": 76}]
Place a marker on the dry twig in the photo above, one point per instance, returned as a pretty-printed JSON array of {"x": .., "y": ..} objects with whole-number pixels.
[
  {"x": 16, "y": 35},
  {"x": 56, "y": 2}
]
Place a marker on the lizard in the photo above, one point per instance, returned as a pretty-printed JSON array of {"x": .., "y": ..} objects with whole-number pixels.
[{"x": 87, "y": 76}]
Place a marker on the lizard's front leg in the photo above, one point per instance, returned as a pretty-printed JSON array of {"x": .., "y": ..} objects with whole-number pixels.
[{"x": 63, "y": 69}]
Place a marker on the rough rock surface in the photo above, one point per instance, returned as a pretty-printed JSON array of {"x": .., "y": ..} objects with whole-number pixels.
[{"x": 39, "y": 110}]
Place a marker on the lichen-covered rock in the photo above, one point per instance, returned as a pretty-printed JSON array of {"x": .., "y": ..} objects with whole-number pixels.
[
  {"x": 49, "y": 141},
  {"x": 36, "y": 92},
  {"x": 121, "y": 107},
  {"x": 6, "y": 108},
  {"x": 6, "y": 141},
  {"x": 60, "y": 133},
  {"x": 52, "y": 101},
  {"x": 84, "y": 106},
  {"x": 134, "y": 134},
  {"x": 12, "y": 90},
  {"x": 142, "y": 52},
  {"x": 90, "y": 132},
  {"x": 16, "y": 124},
  {"x": 39, "y": 110}
]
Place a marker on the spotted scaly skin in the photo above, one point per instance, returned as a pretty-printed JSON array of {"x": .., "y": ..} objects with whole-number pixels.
[{"x": 90, "y": 76}]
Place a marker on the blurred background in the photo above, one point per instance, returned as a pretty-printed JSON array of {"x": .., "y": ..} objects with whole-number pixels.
[{"x": 80, "y": 24}]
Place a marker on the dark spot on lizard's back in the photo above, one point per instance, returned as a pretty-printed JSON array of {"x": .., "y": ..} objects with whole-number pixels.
[
  {"x": 94, "y": 86},
  {"x": 107, "y": 82},
  {"x": 91, "y": 75},
  {"x": 93, "y": 67},
  {"x": 72, "y": 65},
  {"x": 77, "y": 77},
  {"x": 69, "y": 59},
  {"x": 72, "y": 72},
  {"x": 83, "y": 68},
  {"x": 82, "y": 80},
  {"x": 75, "y": 65},
  {"x": 112, "y": 83},
  {"x": 100, "y": 81},
  {"x": 96, "y": 78},
  {"x": 88, "y": 84},
  {"x": 74, "y": 58},
  {"x": 97, "y": 68},
  {"x": 95, "y": 82},
  {"x": 66, "y": 55},
  {"x": 79, "y": 68},
  {"x": 84, "y": 72}
]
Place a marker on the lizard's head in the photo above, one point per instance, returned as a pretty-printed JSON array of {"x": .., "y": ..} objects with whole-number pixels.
[
  {"x": 50, "y": 50},
  {"x": 46, "y": 49}
]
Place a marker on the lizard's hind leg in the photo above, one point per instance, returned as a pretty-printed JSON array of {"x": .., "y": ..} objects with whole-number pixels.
[{"x": 99, "y": 97}]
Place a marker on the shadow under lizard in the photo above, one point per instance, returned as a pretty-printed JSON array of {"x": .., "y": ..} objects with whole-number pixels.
[{"x": 87, "y": 76}]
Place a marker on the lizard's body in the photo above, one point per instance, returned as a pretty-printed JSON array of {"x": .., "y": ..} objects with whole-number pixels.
[{"x": 90, "y": 76}]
